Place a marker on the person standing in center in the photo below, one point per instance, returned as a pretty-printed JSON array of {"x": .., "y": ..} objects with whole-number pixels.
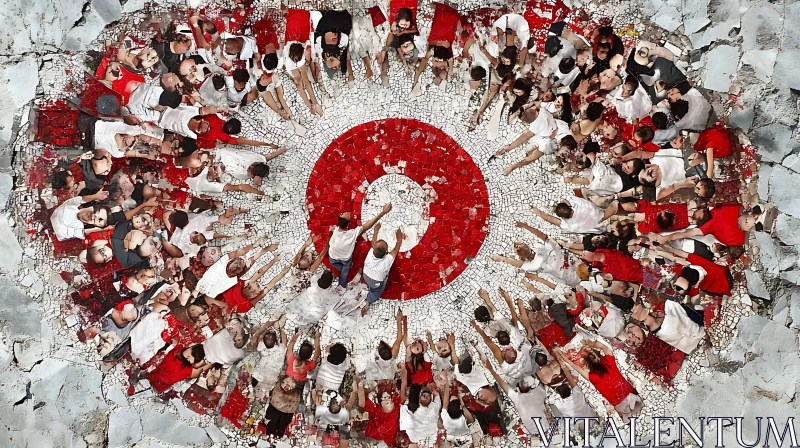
[
  {"x": 343, "y": 242},
  {"x": 378, "y": 263}
]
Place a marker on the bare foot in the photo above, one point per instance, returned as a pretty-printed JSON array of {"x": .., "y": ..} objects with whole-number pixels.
[{"x": 364, "y": 310}]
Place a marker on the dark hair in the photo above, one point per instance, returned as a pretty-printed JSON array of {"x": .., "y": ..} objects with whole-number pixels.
[
  {"x": 417, "y": 362},
  {"x": 197, "y": 351},
  {"x": 536, "y": 304},
  {"x": 705, "y": 216},
  {"x": 218, "y": 81},
  {"x": 566, "y": 109},
  {"x": 342, "y": 222},
  {"x": 709, "y": 186},
  {"x": 296, "y": 51},
  {"x": 564, "y": 391},
  {"x": 403, "y": 38},
  {"x": 594, "y": 111},
  {"x": 338, "y": 354},
  {"x": 476, "y": 73},
  {"x": 325, "y": 280},
  {"x": 270, "y": 339},
  {"x": 591, "y": 147},
  {"x": 482, "y": 314},
  {"x": 179, "y": 219},
  {"x": 503, "y": 337},
  {"x": 465, "y": 365},
  {"x": 552, "y": 46},
  {"x": 379, "y": 252},
  {"x": 595, "y": 364},
  {"x": 170, "y": 98},
  {"x": 232, "y": 126},
  {"x": 540, "y": 359},
  {"x": 660, "y": 120},
  {"x": 441, "y": 52},
  {"x": 569, "y": 142},
  {"x": 306, "y": 351},
  {"x": 525, "y": 85},
  {"x": 566, "y": 65},
  {"x": 384, "y": 351},
  {"x": 679, "y": 108},
  {"x": 241, "y": 75},
  {"x": 509, "y": 52},
  {"x": 627, "y": 230},
  {"x": 331, "y": 52},
  {"x": 414, "y": 391},
  {"x": 109, "y": 218},
  {"x": 691, "y": 275},
  {"x": 563, "y": 210},
  {"x": 603, "y": 46},
  {"x": 270, "y": 61},
  {"x": 638, "y": 166},
  {"x": 260, "y": 169},
  {"x": 404, "y": 14},
  {"x": 454, "y": 409},
  {"x": 59, "y": 180},
  {"x": 665, "y": 219},
  {"x": 604, "y": 242},
  {"x": 645, "y": 133},
  {"x": 189, "y": 146}
]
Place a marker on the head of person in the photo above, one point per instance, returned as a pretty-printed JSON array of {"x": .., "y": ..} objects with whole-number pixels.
[
  {"x": 343, "y": 221},
  {"x": 442, "y": 348},
  {"x": 649, "y": 175},
  {"x": 270, "y": 61},
  {"x": 387, "y": 402},
  {"x": 701, "y": 216},
  {"x": 624, "y": 230},
  {"x": 486, "y": 395},
  {"x": 465, "y": 365},
  {"x": 417, "y": 347},
  {"x": 454, "y": 409},
  {"x": 620, "y": 150},
  {"x": 676, "y": 142},
  {"x": 674, "y": 94},
  {"x": 199, "y": 125},
  {"x": 251, "y": 290},
  {"x": 384, "y": 351},
  {"x": 508, "y": 57},
  {"x": 381, "y": 249},
  {"x": 232, "y": 126},
  {"x": 62, "y": 180},
  {"x": 146, "y": 59},
  {"x": 99, "y": 253},
  {"x": 665, "y": 219},
  {"x": 633, "y": 167},
  {"x": 425, "y": 397},
  {"x": 564, "y": 210},
  {"x": 594, "y": 111},
  {"x": 503, "y": 338},
  {"x": 194, "y": 356},
  {"x": 595, "y": 363},
  {"x": 603, "y": 49},
  {"x": 679, "y": 108},
  {"x": 527, "y": 383},
  {"x": 171, "y": 82},
  {"x": 124, "y": 313},
  {"x": 270, "y": 339},
  {"x": 296, "y": 51},
  {"x": 334, "y": 406},
  {"x": 258, "y": 170},
  {"x": 209, "y": 255},
  {"x": 142, "y": 221},
  {"x": 198, "y": 314},
  {"x": 522, "y": 88},
  {"x": 331, "y": 37},
  {"x": 181, "y": 44},
  {"x": 688, "y": 278},
  {"x": 440, "y": 53},
  {"x": 306, "y": 351},
  {"x": 482, "y": 314},
  {"x": 477, "y": 73},
  {"x": 633, "y": 335},
  {"x": 306, "y": 260},
  {"x": 338, "y": 354},
  {"x": 288, "y": 384},
  {"x": 232, "y": 46},
  {"x": 644, "y": 134},
  {"x": 406, "y": 44},
  {"x": 660, "y": 120},
  {"x": 101, "y": 162},
  {"x": 96, "y": 215},
  {"x": 616, "y": 62},
  {"x": 523, "y": 251},
  {"x": 564, "y": 391},
  {"x": 325, "y": 280},
  {"x": 179, "y": 219},
  {"x": 566, "y": 65},
  {"x": 600, "y": 241},
  {"x": 705, "y": 188},
  {"x": 509, "y": 355},
  {"x": 332, "y": 57},
  {"x": 628, "y": 89},
  {"x": 240, "y": 78},
  {"x": 404, "y": 19},
  {"x": 552, "y": 46},
  {"x": 541, "y": 359}
]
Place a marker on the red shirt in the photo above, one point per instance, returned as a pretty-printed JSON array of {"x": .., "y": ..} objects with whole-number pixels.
[
  {"x": 716, "y": 138},
  {"x": 173, "y": 369},
  {"x": 301, "y": 375},
  {"x": 622, "y": 267},
  {"x": 716, "y": 279},
  {"x": 382, "y": 426},
  {"x": 209, "y": 139},
  {"x": 724, "y": 225},
  {"x": 612, "y": 386},
  {"x": 237, "y": 303},
  {"x": 422, "y": 376}
]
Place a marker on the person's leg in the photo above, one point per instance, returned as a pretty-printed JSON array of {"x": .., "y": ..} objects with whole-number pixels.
[
  {"x": 343, "y": 266},
  {"x": 375, "y": 289},
  {"x": 299, "y": 79},
  {"x": 243, "y": 188},
  {"x": 282, "y": 101},
  {"x": 530, "y": 158}
]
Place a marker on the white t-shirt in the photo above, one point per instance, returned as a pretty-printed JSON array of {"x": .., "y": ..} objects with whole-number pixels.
[
  {"x": 378, "y": 268},
  {"x": 575, "y": 405},
  {"x": 605, "y": 181},
  {"x": 474, "y": 380},
  {"x": 517, "y": 23},
  {"x": 220, "y": 349},
  {"x": 672, "y": 166},
  {"x": 201, "y": 185},
  {"x": 64, "y": 219},
  {"x": 177, "y": 120},
  {"x": 549, "y": 259},
  {"x": 236, "y": 96},
  {"x": 343, "y": 243},
  {"x": 142, "y": 99},
  {"x": 454, "y": 428},
  {"x": 678, "y": 330},
  {"x": 586, "y": 217},
  {"x": 216, "y": 281},
  {"x": 381, "y": 369},
  {"x": 237, "y": 161},
  {"x": 530, "y": 405},
  {"x": 423, "y": 423},
  {"x": 699, "y": 109},
  {"x": 634, "y": 107},
  {"x": 197, "y": 223},
  {"x": 550, "y": 65},
  {"x": 270, "y": 364},
  {"x": 325, "y": 416},
  {"x": 523, "y": 365},
  {"x": 330, "y": 375}
]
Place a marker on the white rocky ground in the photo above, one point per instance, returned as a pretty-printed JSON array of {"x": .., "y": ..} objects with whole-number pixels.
[{"x": 747, "y": 54}]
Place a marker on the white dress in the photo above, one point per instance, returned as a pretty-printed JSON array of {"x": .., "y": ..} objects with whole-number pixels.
[
  {"x": 605, "y": 181},
  {"x": 586, "y": 217},
  {"x": 216, "y": 281},
  {"x": 312, "y": 304},
  {"x": 678, "y": 330},
  {"x": 237, "y": 161}
]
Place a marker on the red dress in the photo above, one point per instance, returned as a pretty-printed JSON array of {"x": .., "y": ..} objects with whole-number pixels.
[
  {"x": 264, "y": 32},
  {"x": 651, "y": 211},
  {"x": 173, "y": 369},
  {"x": 445, "y": 22},
  {"x": 724, "y": 225},
  {"x": 622, "y": 267},
  {"x": 422, "y": 376},
  {"x": 716, "y": 138},
  {"x": 612, "y": 386},
  {"x": 298, "y": 25},
  {"x": 237, "y": 303},
  {"x": 382, "y": 426}
]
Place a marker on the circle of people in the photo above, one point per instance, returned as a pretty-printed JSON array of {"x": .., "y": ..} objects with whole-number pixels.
[{"x": 655, "y": 218}]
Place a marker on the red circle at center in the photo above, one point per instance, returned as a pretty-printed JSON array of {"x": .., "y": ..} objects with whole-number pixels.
[{"x": 458, "y": 217}]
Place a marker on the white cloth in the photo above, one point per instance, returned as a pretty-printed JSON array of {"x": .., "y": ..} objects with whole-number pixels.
[
  {"x": 474, "y": 380},
  {"x": 290, "y": 64},
  {"x": 216, "y": 281},
  {"x": 566, "y": 79},
  {"x": 197, "y": 223},
  {"x": 380, "y": 369},
  {"x": 142, "y": 99},
  {"x": 365, "y": 41},
  {"x": 549, "y": 259},
  {"x": 454, "y": 428},
  {"x": 678, "y": 330},
  {"x": 550, "y": 64},
  {"x": 236, "y": 96},
  {"x": 325, "y": 416},
  {"x": 422, "y": 423},
  {"x": 575, "y": 405},
  {"x": 612, "y": 324},
  {"x": 177, "y": 120},
  {"x": 605, "y": 180},
  {"x": 378, "y": 268},
  {"x": 514, "y": 372},
  {"x": 586, "y": 217},
  {"x": 440, "y": 363},
  {"x": 343, "y": 242},
  {"x": 699, "y": 109},
  {"x": 270, "y": 363},
  {"x": 530, "y": 405},
  {"x": 220, "y": 349},
  {"x": 634, "y": 107},
  {"x": 201, "y": 185},
  {"x": 517, "y": 23},
  {"x": 479, "y": 58},
  {"x": 64, "y": 219},
  {"x": 672, "y": 166},
  {"x": 105, "y": 133},
  {"x": 504, "y": 324},
  {"x": 237, "y": 161},
  {"x": 542, "y": 128},
  {"x": 146, "y": 338},
  {"x": 330, "y": 375},
  {"x": 211, "y": 96},
  {"x": 312, "y": 304}
]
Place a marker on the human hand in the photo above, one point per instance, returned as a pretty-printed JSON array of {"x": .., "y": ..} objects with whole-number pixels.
[
  {"x": 377, "y": 228},
  {"x": 100, "y": 195},
  {"x": 399, "y": 235},
  {"x": 497, "y": 257},
  {"x": 483, "y": 294},
  {"x": 520, "y": 225},
  {"x": 152, "y": 202},
  {"x": 387, "y": 208}
]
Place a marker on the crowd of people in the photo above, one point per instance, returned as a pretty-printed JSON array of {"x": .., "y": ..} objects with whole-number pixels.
[{"x": 653, "y": 227}]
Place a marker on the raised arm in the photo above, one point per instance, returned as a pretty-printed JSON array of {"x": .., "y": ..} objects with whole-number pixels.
[
  {"x": 498, "y": 355},
  {"x": 547, "y": 217},
  {"x": 375, "y": 234},
  {"x": 274, "y": 154},
  {"x": 368, "y": 225},
  {"x": 562, "y": 361},
  {"x": 487, "y": 301},
  {"x": 541, "y": 280},
  {"x": 497, "y": 378},
  {"x": 152, "y": 202},
  {"x": 399, "y": 339},
  {"x": 317, "y": 351},
  {"x": 302, "y": 249},
  {"x": 277, "y": 278},
  {"x": 451, "y": 341},
  {"x": 262, "y": 252},
  {"x": 362, "y": 396},
  {"x": 523, "y": 317},
  {"x": 247, "y": 141},
  {"x": 290, "y": 347},
  {"x": 510, "y": 303},
  {"x": 260, "y": 273},
  {"x": 396, "y": 250},
  {"x": 688, "y": 233},
  {"x": 539, "y": 234},
  {"x": 320, "y": 257}
]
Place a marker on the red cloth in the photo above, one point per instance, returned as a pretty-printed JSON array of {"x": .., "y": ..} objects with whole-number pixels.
[
  {"x": 382, "y": 426},
  {"x": 298, "y": 25},
  {"x": 422, "y": 376},
  {"x": 445, "y": 22},
  {"x": 376, "y": 15},
  {"x": 724, "y": 225},
  {"x": 264, "y": 32},
  {"x": 93, "y": 89},
  {"x": 301, "y": 375},
  {"x": 215, "y": 132},
  {"x": 622, "y": 267},
  {"x": 237, "y": 303},
  {"x": 173, "y": 369},
  {"x": 396, "y": 5},
  {"x": 552, "y": 336},
  {"x": 651, "y": 212},
  {"x": 176, "y": 175},
  {"x": 659, "y": 357},
  {"x": 58, "y": 127},
  {"x": 612, "y": 386},
  {"x": 716, "y": 138},
  {"x": 125, "y": 83},
  {"x": 716, "y": 279},
  {"x": 235, "y": 407}
]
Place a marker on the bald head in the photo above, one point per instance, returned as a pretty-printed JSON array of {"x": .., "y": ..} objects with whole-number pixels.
[{"x": 381, "y": 249}]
